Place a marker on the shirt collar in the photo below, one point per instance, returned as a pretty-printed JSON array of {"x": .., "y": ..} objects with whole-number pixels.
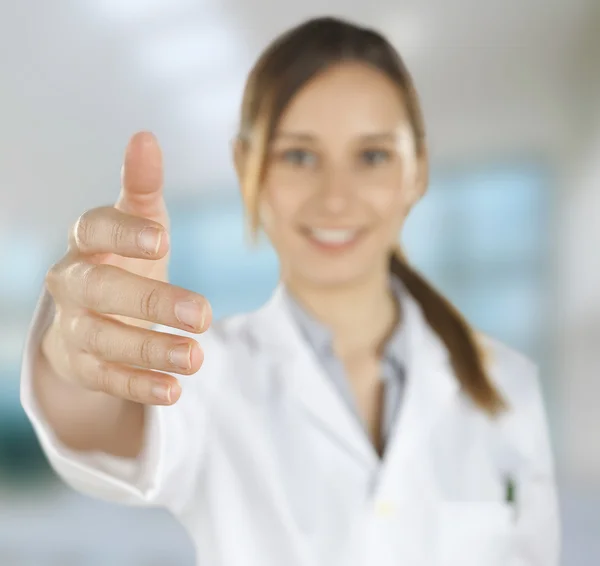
[{"x": 319, "y": 336}]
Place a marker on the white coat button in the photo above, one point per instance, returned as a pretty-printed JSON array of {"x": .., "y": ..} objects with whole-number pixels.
[{"x": 385, "y": 509}]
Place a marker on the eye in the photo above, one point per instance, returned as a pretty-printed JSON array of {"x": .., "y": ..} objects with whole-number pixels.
[
  {"x": 375, "y": 156},
  {"x": 299, "y": 157}
]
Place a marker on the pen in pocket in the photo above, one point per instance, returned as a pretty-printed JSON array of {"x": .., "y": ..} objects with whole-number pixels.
[{"x": 510, "y": 495}]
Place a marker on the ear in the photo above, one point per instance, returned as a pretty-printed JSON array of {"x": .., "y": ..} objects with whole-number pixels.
[
  {"x": 423, "y": 172},
  {"x": 421, "y": 181},
  {"x": 239, "y": 158}
]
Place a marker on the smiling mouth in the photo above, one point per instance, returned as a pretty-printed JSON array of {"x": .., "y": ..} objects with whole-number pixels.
[{"x": 333, "y": 238}]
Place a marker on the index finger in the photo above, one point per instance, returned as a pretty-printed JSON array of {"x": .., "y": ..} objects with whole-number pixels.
[
  {"x": 108, "y": 289},
  {"x": 105, "y": 230}
]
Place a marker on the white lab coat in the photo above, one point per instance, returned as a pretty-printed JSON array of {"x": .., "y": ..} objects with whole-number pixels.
[{"x": 264, "y": 465}]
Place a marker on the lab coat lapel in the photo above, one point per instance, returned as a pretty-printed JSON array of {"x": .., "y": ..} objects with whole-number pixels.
[
  {"x": 431, "y": 388},
  {"x": 307, "y": 382},
  {"x": 430, "y": 383},
  {"x": 405, "y": 494}
]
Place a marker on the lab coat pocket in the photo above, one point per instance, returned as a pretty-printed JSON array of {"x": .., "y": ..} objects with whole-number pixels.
[{"x": 473, "y": 533}]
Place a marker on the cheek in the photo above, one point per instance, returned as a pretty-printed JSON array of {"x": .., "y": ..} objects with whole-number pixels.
[
  {"x": 389, "y": 205},
  {"x": 280, "y": 207},
  {"x": 391, "y": 195}
]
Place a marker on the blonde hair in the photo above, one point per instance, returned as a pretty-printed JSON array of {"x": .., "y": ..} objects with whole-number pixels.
[{"x": 283, "y": 69}]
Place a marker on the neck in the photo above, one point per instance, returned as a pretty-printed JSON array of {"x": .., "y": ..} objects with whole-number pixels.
[{"x": 361, "y": 314}]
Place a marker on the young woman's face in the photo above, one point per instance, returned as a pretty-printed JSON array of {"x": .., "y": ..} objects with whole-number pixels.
[{"x": 342, "y": 175}]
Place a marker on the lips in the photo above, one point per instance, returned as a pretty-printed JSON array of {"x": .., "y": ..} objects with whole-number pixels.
[{"x": 333, "y": 240}]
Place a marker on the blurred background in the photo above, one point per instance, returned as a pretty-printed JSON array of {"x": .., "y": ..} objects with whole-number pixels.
[{"x": 509, "y": 230}]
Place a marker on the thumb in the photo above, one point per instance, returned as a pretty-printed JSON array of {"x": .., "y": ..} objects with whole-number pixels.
[{"x": 142, "y": 178}]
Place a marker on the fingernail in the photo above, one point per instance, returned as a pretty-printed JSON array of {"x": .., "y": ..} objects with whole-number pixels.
[
  {"x": 149, "y": 240},
  {"x": 190, "y": 313},
  {"x": 180, "y": 356},
  {"x": 162, "y": 392}
]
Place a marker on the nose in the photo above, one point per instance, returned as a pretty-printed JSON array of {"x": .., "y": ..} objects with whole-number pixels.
[{"x": 335, "y": 191}]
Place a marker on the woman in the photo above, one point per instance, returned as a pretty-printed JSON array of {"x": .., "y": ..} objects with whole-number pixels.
[{"x": 356, "y": 418}]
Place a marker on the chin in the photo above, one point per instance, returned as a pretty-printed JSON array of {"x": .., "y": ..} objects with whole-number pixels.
[{"x": 332, "y": 274}]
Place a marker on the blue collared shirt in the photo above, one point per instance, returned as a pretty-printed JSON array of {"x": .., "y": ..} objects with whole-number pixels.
[{"x": 392, "y": 373}]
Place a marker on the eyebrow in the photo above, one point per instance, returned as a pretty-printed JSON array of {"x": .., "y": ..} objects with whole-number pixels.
[
  {"x": 296, "y": 136},
  {"x": 309, "y": 137}
]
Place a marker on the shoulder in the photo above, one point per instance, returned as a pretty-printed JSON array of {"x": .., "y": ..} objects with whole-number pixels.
[
  {"x": 233, "y": 344},
  {"x": 517, "y": 378},
  {"x": 509, "y": 364},
  {"x": 230, "y": 357},
  {"x": 233, "y": 332},
  {"x": 224, "y": 344},
  {"x": 524, "y": 426},
  {"x": 514, "y": 374}
]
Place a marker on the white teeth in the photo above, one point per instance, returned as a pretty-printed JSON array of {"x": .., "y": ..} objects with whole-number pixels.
[{"x": 326, "y": 236}]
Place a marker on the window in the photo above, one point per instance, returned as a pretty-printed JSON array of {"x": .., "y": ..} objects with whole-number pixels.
[
  {"x": 479, "y": 235},
  {"x": 212, "y": 255}
]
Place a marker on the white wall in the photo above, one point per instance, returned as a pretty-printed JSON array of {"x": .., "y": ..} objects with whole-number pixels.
[{"x": 578, "y": 277}]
